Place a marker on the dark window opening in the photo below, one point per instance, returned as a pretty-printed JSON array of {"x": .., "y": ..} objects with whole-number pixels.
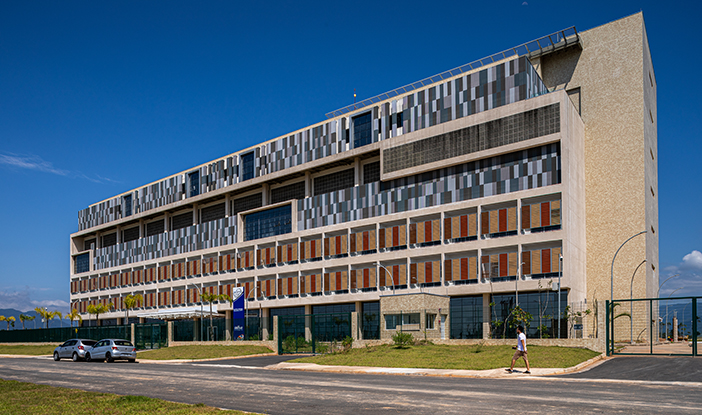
[
  {"x": 89, "y": 244},
  {"x": 247, "y": 203},
  {"x": 131, "y": 234},
  {"x": 289, "y": 192},
  {"x": 109, "y": 240},
  {"x": 247, "y": 166},
  {"x": 276, "y": 221},
  {"x": 154, "y": 228},
  {"x": 362, "y": 130},
  {"x": 128, "y": 205},
  {"x": 194, "y": 183},
  {"x": 212, "y": 213},
  {"x": 82, "y": 263},
  {"x": 335, "y": 181},
  {"x": 371, "y": 172},
  {"x": 182, "y": 221}
]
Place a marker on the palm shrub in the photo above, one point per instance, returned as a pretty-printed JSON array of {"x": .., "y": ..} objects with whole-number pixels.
[{"x": 402, "y": 340}]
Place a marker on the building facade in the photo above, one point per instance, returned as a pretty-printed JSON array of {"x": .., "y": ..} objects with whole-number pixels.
[{"x": 479, "y": 186}]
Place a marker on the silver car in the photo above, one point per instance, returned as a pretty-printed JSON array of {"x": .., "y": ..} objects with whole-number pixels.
[
  {"x": 111, "y": 350},
  {"x": 74, "y": 349}
]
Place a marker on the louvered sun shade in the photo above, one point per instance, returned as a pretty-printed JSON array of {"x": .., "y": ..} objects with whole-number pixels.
[
  {"x": 192, "y": 295},
  {"x": 399, "y": 276},
  {"x": 287, "y": 286},
  {"x": 150, "y": 299},
  {"x": 363, "y": 278},
  {"x": 125, "y": 278},
  {"x": 425, "y": 272},
  {"x": 541, "y": 215},
  {"x": 265, "y": 256},
  {"x": 193, "y": 267},
  {"x": 362, "y": 241},
  {"x": 75, "y": 287},
  {"x": 178, "y": 296},
  {"x": 138, "y": 276},
  {"x": 311, "y": 284},
  {"x": 209, "y": 265},
  {"x": 150, "y": 275},
  {"x": 336, "y": 281},
  {"x": 499, "y": 265},
  {"x": 498, "y": 221},
  {"x": 424, "y": 232},
  {"x": 311, "y": 249},
  {"x": 461, "y": 269},
  {"x": 165, "y": 298},
  {"x": 178, "y": 270},
  {"x": 335, "y": 245},
  {"x": 226, "y": 289},
  {"x": 392, "y": 237},
  {"x": 164, "y": 272},
  {"x": 227, "y": 262},
  {"x": 265, "y": 288},
  {"x": 245, "y": 259},
  {"x": 463, "y": 226},
  {"x": 286, "y": 253},
  {"x": 540, "y": 261}
]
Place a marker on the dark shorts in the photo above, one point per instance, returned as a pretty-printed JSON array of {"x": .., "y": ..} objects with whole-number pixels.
[{"x": 518, "y": 354}]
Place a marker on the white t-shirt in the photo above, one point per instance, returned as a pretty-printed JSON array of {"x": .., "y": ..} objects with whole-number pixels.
[{"x": 521, "y": 346}]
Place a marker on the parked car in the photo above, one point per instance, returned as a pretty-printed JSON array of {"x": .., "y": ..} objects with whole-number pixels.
[
  {"x": 111, "y": 350},
  {"x": 74, "y": 349}
]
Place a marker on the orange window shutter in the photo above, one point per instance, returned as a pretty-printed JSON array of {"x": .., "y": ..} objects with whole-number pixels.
[
  {"x": 526, "y": 216},
  {"x": 463, "y": 223},
  {"x": 502, "y": 219},
  {"x": 555, "y": 258},
  {"x": 512, "y": 219},
  {"x": 413, "y": 233},
  {"x": 556, "y": 212},
  {"x": 484, "y": 223},
  {"x": 536, "y": 215},
  {"x": 503, "y": 265},
  {"x": 526, "y": 259},
  {"x": 448, "y": 228},
  {"x": 413, "y": 274},
  {"x": 448, "y": 267},
  {"x": 545, "y": 214}
]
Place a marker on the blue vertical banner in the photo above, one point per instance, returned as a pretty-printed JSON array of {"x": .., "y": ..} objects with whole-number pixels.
[{"x": 238, "y": 322}]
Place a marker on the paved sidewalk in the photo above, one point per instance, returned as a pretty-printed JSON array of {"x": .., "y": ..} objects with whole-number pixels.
[{"x": 491, "y": 373}]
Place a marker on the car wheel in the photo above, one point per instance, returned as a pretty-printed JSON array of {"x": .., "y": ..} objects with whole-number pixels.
[
  {"x": 75, "y": 357},
  {"x": 108, "y": 357},
  {"x": 88, "y": 358},
  {"x": 56, "y": 357}
]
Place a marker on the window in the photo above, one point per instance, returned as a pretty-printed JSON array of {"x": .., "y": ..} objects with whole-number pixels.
[
  {"x": 289, "y": 192},
  {"x": 155, "y": 227},
  {"x": 109, "y": 240},
  {"x": 335, "y": 181},
  {"x": 362, "y": 130},
  {"x": 369, "y": 320},
  {"x": 247, "y": 166},
  {"x": 398, "y": 119},
  {"x": 182, "y": 221},
  {"x": 371, "y": 172},
  {"x": 394, "y": 320},
  {"x": 247, "y": 203},
  {"x": 131, "y": 234},
  {"x": 89, "y": 244},
  {"x": 82, "y": 263},
  {"x": 212, "y": 213},
  {"x": 128, "y": 205},
  {"x": 466, "y": 317},
  {"x": 194, "y": 183},
  {"x": 276, "y": 221},
  {"x": 430, "y": 321}
]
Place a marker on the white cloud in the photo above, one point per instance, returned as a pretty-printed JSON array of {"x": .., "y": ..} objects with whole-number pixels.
[
  {"x": 525, "y": 4},
  {"x": 693, "y": 260},
  {"x": 22, "y": 301},
  {"x": 33, "y": 162}
]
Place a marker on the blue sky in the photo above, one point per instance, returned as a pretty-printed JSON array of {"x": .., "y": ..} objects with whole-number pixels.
[{"x": 97, "y": 98}]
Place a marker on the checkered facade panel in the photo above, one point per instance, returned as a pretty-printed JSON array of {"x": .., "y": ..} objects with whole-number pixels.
[
  {"x": 202, "y": 236},
  {"x": 489, "y": 88},
  {"x": 527, "y": 169}
]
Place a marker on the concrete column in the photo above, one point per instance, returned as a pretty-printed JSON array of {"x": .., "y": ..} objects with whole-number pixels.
[
  {"x": 119, "y": 235},
  {"x": 265, "y": 329},
  {"x": 358, "y": 319},
  {"x": 266, "y": 194},
  {"x": 141, "y": 228},
  {"x": 169, "y": 324},
  {"x": 275, "y": 334},
  {"x": 308, "y": 323},
  {"x": 228, "y": 325},
  {"x": 358, "y": 171},
  {"x": 167, "y": 218},
  {"x": 308, "y": 184},
  {"x": 355, "y": 332},
  {"x": 675, "y": 329},
  {"x": 196, "y": 214},
  {"x": 227, "y": 205},
  {"x": 133, "y": 334},
  {"x": 486, "y": 316}
]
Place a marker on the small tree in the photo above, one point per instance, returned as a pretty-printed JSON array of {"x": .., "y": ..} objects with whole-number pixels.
[
  {"x": 45, "y": 314},
  {"x": 11, "y": 321},
  {"x": 211, "y": 298},
  {"x": 99, "y": 309},
  {"x": 23, "y": 318},
  {"x": 74, "y": 315},
  {"x": 59, "y": 315},
  {"x": 130, "y": 302},
  {"x": 3, "y": 318}
]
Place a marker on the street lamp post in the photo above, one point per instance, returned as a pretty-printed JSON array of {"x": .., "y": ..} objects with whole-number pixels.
[
  {"x": 611, "y": 297},
  {"x": 392, "y": 278},
  {"x": 560, "y": 262},
  {"x": 631, "y": 303},
  {"x": 666, "y": 311},
  {"x": 658, "y": 293}
]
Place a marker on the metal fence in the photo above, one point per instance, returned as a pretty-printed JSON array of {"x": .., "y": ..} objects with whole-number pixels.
[
  {"x": 314, "y": 333},
  {"x": 151, "y": 336},
  {"x": 59, "y": 335},
  {"x": 653, "y": 326}
]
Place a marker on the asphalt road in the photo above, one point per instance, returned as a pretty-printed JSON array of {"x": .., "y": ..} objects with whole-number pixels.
[{"x": 248, "y": 388}]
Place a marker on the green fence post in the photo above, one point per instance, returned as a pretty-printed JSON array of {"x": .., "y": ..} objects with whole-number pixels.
[
  {"x": 607, "y": 327},
  {"x": 651, "y": 325},
  {"x": 694, "y": 326}
]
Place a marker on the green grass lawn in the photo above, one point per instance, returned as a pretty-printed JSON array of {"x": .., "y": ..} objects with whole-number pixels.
[
  {"x": 28, "y": 398},
  {"x": 453, "y": 357},
  {"x": 201, "y": 352},
  {"x": 29, "y": 350}
]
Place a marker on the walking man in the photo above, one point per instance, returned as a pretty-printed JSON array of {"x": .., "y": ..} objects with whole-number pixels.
[{"x": 521, "y": 350}]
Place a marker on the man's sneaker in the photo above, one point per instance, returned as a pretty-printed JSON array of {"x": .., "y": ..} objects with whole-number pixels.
[
  {"x": 528, "y": 372},
  {"x": 509, "y": 370}
]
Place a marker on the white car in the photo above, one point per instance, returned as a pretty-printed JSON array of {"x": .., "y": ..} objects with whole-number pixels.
[{"x": 111, "y": 350}]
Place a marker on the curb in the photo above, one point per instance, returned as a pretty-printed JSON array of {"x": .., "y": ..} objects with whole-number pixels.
[{"x": 214, "y": 359}]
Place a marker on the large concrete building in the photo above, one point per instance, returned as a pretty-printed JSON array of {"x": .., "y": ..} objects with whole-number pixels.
[{"x": 479, "y": 185}]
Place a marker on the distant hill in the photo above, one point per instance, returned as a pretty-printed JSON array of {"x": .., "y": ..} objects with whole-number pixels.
[{"x": 7, "y": 312}]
